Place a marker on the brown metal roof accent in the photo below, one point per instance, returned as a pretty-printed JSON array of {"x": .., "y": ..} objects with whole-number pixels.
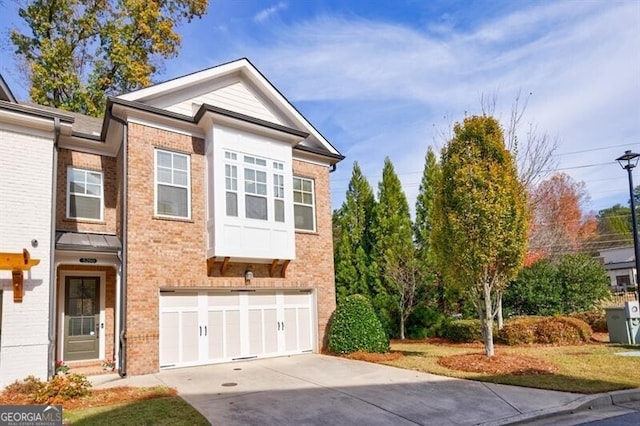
[{"x": 77, "y": 241}]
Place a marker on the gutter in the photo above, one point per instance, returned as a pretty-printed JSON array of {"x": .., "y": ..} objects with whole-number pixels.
[
  {"x": 122, "y": 347},
  {"x": 51, "y": 355}
]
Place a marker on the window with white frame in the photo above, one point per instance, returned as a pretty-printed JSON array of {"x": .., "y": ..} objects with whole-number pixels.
[
  {"x": 84, "y": 194},
  {"x": 231, "y": 184},
  {"x": 173, "y": 189},
  {"x": 304, "y": 204},
  {"x": 255, "y": 188},
  {"x": 260, "y": 194},
  {"x": 278, "y": 192}
]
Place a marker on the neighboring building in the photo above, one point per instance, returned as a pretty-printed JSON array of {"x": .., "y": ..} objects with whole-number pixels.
[
  {"x": 620, "y": 265},
  {"x": 192, "y": 225}
]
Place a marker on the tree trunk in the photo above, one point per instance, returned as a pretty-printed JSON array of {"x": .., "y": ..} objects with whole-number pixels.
[
  {"x": 499, "y": 311},
  {"x": 401, "y": 327},
  {"x": 487, "y": 322}
]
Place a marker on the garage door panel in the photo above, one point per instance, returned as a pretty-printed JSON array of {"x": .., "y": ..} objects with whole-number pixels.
[
  {"x": 190, "y": 337},
  {"x": 270, "y": 331},
  {"x": 304, "y": 329},
  {"x": 232, "y": 334},
  {"x": 216, "y": 335},
  {"x": 291, "y": 329},
  {"x": 170, "y": 341},
  {"x": 255, "y": 332}
]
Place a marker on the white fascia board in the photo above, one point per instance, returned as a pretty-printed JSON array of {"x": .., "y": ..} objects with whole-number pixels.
[
  {"x": 185, "y": 81},
  {"x": 32, "y": 122},
  {"x": 89, "y": 146},
  {"x": 151, "y": 119}
]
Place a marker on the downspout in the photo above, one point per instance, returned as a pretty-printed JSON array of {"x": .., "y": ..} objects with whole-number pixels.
[
  {"x": 122, "y": 347},
  {"x": 333, "y": 168},
  {"x": 51, "y": 355}
]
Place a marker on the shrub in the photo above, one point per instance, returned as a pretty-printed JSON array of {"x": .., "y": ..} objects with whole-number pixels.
[
  {"x": 355, "y": 327},
  {"x": 60, "y": 387},
  {"x": 517, "y": 331},
  {"x": 551, "y": 330},
  {"x": 596, "y": 319},
  {"x": 463, "y": 331}
]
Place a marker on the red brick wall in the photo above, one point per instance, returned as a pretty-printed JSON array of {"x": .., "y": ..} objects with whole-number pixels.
[
  {"x": 82, "y": 160},
  {"x": 171, "y": 253}
]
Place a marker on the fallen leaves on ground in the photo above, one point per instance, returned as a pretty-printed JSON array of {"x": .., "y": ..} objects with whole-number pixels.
[
  {"x": 499, "y": 364},
  {"x": 374, "y": 357},
  {"x": 96, "y": 397}
]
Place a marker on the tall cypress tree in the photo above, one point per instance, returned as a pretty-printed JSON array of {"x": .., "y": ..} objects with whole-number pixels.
[
  {"x": 352, "y": 228},
  {"x": 392, "y": 247}
]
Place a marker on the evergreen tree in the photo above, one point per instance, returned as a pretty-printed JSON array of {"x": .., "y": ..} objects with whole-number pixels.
[
  {"x": 352, "y": 248},
  {"x": 393, "y": 250},
  {"x": 424, "y": 224}
]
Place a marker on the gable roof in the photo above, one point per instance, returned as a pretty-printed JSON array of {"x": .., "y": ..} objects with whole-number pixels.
[
  {"x": 5, "y": 91},
  {"x": 239, "y": 88}
]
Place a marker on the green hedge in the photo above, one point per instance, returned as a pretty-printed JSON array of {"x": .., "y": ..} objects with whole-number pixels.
[
  {"x": 355, "y": 327},
  {"x": 463, "y": 331}
]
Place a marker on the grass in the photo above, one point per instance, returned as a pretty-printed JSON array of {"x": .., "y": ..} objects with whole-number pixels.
[
  {"x": 168, "y": 411},
  {"x": 587, "y": 369}
]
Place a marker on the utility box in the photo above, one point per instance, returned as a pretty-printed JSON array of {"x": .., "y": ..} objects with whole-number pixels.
[
  {"x": 632, "y": 312},
  {"x": 617, "y": 325},
  {"x": 623, "y": 323},
  {"x": 632, "y": 309}
]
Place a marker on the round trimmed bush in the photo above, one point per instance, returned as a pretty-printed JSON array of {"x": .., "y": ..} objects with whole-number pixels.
[
  {"x": 550, "y": 330},
  {"x": 355, "y": 327}
]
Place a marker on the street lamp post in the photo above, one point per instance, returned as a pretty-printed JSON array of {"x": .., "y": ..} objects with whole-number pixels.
[{"x": 628, "y": 161}]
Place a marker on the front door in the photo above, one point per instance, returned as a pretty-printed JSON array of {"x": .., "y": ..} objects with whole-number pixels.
[{"x": 81, "y": 318}]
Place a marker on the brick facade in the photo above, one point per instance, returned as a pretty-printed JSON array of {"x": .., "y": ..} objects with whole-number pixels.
[
  {"x": 82, "y": 160},
  {"x": 165, "y": 253}
]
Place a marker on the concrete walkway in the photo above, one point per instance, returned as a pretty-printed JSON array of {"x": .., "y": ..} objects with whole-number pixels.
[{"x": 318, "y": 390}]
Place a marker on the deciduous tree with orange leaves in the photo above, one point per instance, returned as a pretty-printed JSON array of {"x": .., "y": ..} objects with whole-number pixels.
[{"x": 559, "y": 223}]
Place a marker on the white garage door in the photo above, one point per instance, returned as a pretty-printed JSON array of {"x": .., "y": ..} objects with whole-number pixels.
[{"x": 220, "y": 326}]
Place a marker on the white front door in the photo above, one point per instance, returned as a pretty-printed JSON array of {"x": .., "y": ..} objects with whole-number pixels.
[{"x": 218, "y": 326}]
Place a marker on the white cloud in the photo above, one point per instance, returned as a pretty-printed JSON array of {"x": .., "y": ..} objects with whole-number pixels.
[{"x": 265, "y": 14}]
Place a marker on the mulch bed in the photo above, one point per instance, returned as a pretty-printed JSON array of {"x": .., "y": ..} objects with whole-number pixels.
[{"x": 499, "y": 364}]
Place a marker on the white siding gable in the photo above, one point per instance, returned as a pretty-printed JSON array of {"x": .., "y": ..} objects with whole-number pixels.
[{"x": 235, "y": 95}]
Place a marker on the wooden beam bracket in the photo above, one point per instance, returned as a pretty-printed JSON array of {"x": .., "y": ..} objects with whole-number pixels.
[
  {"x": 272, "y": 268},
  {"x": 210, "y": 263},
  {"x": 224, "y": 266},
  {"x": 283, "y": 271}
]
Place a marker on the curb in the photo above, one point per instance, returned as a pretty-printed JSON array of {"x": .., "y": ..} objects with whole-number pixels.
[{"x": 583, "y": 403}]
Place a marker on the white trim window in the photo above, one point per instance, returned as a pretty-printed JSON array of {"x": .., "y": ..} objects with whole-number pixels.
[
  {"x": 85, "y": 194},
  {"x": 278, "y": 192},
  {"x": 255, "y": 188},
  {"x": 172, "y": 184},
  {"x": 231, "y": 184},
  {"x": 304, "y": 204}
]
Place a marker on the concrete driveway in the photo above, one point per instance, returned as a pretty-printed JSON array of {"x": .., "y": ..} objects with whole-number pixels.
[{"x": 319, "y": 390}]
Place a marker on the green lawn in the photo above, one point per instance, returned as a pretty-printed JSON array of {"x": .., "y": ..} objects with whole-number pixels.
[
  {"x": 167, "y": 411},
  {"x": 587, "y": 369}
]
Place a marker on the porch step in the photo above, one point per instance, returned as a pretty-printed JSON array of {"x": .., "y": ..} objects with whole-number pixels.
[{"x": 92, "y": 368}]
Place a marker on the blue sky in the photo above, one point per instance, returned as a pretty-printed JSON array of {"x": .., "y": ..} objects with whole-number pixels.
[{"x": 388, "y": 78}]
